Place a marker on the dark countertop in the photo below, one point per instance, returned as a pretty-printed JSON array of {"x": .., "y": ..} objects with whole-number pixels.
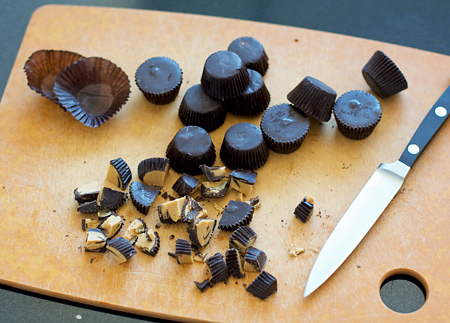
[{"x": 419, "y": 24}]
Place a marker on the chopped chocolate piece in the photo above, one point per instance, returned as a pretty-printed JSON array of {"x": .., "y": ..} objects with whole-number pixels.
[
  {"x": 234, "y": 263},
  {"x": 213, "y": 173},
  {"x": 171, "y": 237},
  {"x": 87, "y": 192},
  {"x": 149, "y": 242},
  {"x": 172, "y": 198},
  {"x": 190, "y": 147},
  {"x": 201, "y": 231},
  {"x": 215, "y": 189},
  {"x": 183, "y": 252},
  {"x": 304, "y": 210},
  {"x": 95, "y": 240},
  {"x": 134, "y": 229},
  {"x": 88, "y": 223},
  {"x": 159, "y": 79},
  {"x": 243, "y": 147},
  {"x": 171, "y": 254},
  {"x": 255, "y": 201},
  {"x": 121, "y": 249},
  {"x": 217, "y": 269},
  {"x": 88, "y": 207},
  {"x": 164, "y": 195},
  {"x": 383, "y": 76},
  {"x": 119, "y": 173},
  {"x": 242, "y": 239},
  {"x": 224, "y": 75},
  {"x": 203, "y": 285},
  {"x": 111, "y": 225},
  {"x": 142, "y": 196},
  {"x": 251, "y": 52},
  {"x": 200, "y": 257},
  {"x": 255, "y": 260},
  {"x": 185, "y": 184},
  {"x": 158, "y": 225},
  {"x": 171, "y": 212},
  {"x": 192, "y": 210},
  {"x": 153, "y": 171},
  {"x": 236, "y": 214},
  {"x": 242, "y": 180},
  {"x": 104, "y": 213},
  {"x": 263, "y": 286},
  {"x": 199, "y": 198},
  {"x": 111, "y": 199}
]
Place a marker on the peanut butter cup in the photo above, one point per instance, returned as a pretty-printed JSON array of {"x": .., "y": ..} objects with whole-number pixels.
[{"x": 252, "y": 53}]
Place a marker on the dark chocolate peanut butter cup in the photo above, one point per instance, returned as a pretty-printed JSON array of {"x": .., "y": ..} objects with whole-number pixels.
[
  {"x": 263, "y": 286},
  {"x": 198, "y": 109},
  {"x": 191, "y": 147},
  {"x": 236, "y": 214},
  {"x": 357, "y": 113},
  {"x": 142, "y": 196},
  {"x": 314, "y": 98},
  {"x": 159, "y": 79},
  {"x": 251, "y": 52},
  {"x": 383, "y": 76},
  {"x": 243, "y": 147},
  {"x": 224, "y": 75},
  {"x": 254, "y": 100},
  {"x": 92, "y": 89},
  {"x": 218, "y": 269},
  {"x": 284, "y": 128}
]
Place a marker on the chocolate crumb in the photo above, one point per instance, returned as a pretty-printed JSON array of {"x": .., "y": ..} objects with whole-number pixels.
[
  {"x": 66, "y": 235},
  {"x": 171, "y": 254},
  {"x": 92, "y": 259},
  {"x": 296, "y": 40},
  {"x": 158, "y": 225},
  {"x": 199, "y": 199},
  {"x": 171, "y": 237},
  {"x": 164, "y": 195},
  {"x": 54, "y": 211},
  {"x": 244, "y": 285},
  {"x": 171, "y": 198},
  {"x": 358, "y": 266}
]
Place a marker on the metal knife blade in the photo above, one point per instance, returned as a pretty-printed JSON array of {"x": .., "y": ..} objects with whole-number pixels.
[{"x": 375, "y": 196}]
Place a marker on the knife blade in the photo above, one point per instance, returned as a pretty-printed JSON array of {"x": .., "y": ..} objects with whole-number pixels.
[{"x": 374, "y": 197}]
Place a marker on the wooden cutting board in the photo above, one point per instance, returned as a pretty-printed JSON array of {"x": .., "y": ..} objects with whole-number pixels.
[{"x": 46, "y": 153}]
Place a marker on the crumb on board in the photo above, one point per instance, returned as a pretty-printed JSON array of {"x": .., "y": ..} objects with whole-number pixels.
[
  {"x": 315, "y": 250},
  {"x": 295, "y": 251}
]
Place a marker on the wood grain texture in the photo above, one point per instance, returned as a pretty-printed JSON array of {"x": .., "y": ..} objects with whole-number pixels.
[{"x": 46, "y": 153}]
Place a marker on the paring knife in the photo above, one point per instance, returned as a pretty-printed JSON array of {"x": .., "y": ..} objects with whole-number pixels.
[{"x": 375, "y": 196}]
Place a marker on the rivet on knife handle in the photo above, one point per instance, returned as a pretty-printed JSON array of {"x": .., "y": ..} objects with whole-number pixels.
[
  {"x": 433, "y": 121},
  {"x": 374, "y": 197}
]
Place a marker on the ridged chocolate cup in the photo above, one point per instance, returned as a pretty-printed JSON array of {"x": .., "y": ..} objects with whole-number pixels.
[
  {"x": 357, "y": 113},
  {"x": 43, "y": 66},
  {"x": 253, "y": 101},
  {"x": 191, "y": 147},
  {"x": 198, "y": 109},
  {"x": 243, "y": 147},
  {"x": 224, "y": 75},
  {"x": 252, "y": 53},
  {"x": 383, "y": 76},
  {"x": 93, "y": 90},
  {"x": 314, "y": 98},
  {"x": 235, "y": 215},
  {"x": 159, "y": 79},
  {"x": 284, "y": 128}
]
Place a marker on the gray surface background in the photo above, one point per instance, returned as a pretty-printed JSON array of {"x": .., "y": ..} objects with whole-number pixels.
[{"x": 420, "y": 24}]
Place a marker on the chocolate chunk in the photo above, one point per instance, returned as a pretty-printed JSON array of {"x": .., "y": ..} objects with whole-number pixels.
[
  {"x": 183, "y": 252},
  {"x": 284, "y": 128},
  {"x": 215, "y": 189},
  {"x": 192, "y": 210},
  {"x": 203, "y": 285},
  {"x": 242, "y": 238},
  {"x": 142, "y": 196},
  {"x": 201, "y": 231},
  {"x": 191, "y": 147},
  {"x": 255, "y": 260},
  {"x": 87, "y": 192},
  {"x": 304, "y": 210},
  {"x": 185, "y": 185},
  {"x": 383, "y": 76},
  {"x": 242, "y": 180},
  {"x": 88, "y": 207},
  {"x": 357, "y": 113},
  {"x": 111, "y": 199},
  {"x": 243, "y": 147},
  {"x": 159, "y": 79},
  {"x": 148, "y": 242},
  {"x": 251, "y": 52},
  {"x": 217, "y": 269},
  {"x": 153, "y": 171},
  {"x": 224, "y": 75},
  {"x": 95, "y": 240},
  {"x": 314, "y": 98},
  {"x": 236, "y": 214},
  {"x": 234, "y": 264},
  {"x": 213, "y": 173},
  {"x": 172, "y": 211},
  {"x": 111, "y": 225},
  {"x": 136, "y": 227},
  {"x": 198, "y": 109},
  {"x": 88, "y": 223},
  {"x": 121, "y": 249},
  {"x": 263, "y": 286},
  {"x": 119, "y": 173}
]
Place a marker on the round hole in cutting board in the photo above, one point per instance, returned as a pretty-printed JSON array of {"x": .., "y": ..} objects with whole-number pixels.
[{"x": 403, "y": 290}]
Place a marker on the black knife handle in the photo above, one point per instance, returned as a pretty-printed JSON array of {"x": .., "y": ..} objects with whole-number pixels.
[{"x": 433, "y": 121}]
